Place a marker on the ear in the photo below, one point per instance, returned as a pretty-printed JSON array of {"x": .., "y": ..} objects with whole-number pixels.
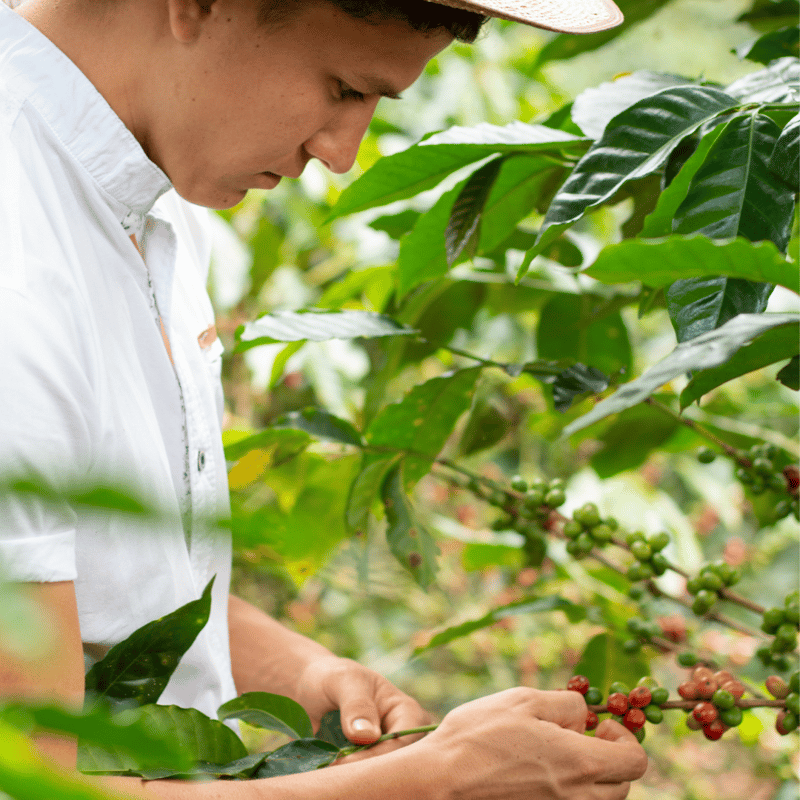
[{"x": 186, "y": 18}]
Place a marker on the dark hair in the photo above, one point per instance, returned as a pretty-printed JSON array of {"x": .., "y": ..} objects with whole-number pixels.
[{"x": 421, "y": 15}]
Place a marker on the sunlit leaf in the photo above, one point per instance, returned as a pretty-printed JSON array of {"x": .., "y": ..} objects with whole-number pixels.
[
  {"x": 703, "y": 352},
  {"x": 321, "y": 425},
  {"x": 365, "y": 488},
  {"x": 282, "y": 443},
  {"x": 777, "y": 83},
  {"x": 785, "y": 159},
  {"x": 271, "y": 711},
  {"x": 139, "y": 668}
]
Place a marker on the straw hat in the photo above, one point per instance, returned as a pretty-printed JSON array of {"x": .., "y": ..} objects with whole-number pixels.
[{"x": 563, "y": 16}]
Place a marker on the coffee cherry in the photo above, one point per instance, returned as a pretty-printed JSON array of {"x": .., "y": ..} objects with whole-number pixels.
[
  {"x": 585, "y": 543},
  {"x": 572, "y": 529},
  {"x": 555, "y": 498},
  {"x": 649, "y": 681},
  {"x": 659, "y": 563},
  {"x": 703, "y": 602},
  {"x": 519, "y": 484},
  {"x": 792, "y": 702},
  {"x": 692, "y": 723},
  {"x": 731, "y": 717},
  {"x": 601, "y": 533},
  {"x": 591, "y": 720},
  {"x": 687, "y": 659},
  {"x": 723, "y": 699},
  {"x": 792, "y": 613},
  {"x": 538, "y": 485},
  {"x": 618, "y": 686},
  {"x": 701, "y": 673},
  {"x": 735, "y": 688},
  {"x": 587, "y": 515},
  {"x": 688, "y": 690},
  {"x": 723, "y": 676},
  {"x": 594, "y": 696},
  {"x": 693, "y": 585},
  {"x": 641, "y": 550},
  {"x": 533, "y": 499},
  {"x": 785, "y": 722},
  {"x": 714, "y": 730},
  {"x": 634, "y": 719},
  {"x": 556, "y": 483},
  {"x": 634, "y": 536},
  {"x": 658, "y": 541},
  {"x": 711, "y": 581},
  {"x": 705, "y": 713},
  {"x": 705, "y": 455},
  {"x": 578, "y": 683},
  {"x": 660, "y": 696},
  {"x": 654, "y": 714},
  {"x": 777, "y": 687},
  {"x": 706, "y": 688},
  {"x": 617, "y": 703},
  {"x": 636, "y": 592},
  {"x": 631, "y": 646},
  {"x": 640, "y": 697},
  {"x": 772, "y": 620},
  {"x": 794, "y": 682}
]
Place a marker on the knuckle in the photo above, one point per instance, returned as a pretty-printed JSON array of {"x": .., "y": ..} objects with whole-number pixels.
[{"x": 639, "y": 762}]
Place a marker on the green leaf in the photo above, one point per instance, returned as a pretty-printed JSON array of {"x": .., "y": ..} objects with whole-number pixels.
[
  {"x": 734, "y": 193},
  {"x": 790, "y": 374},
  {"x": 485, "y": 427},
  {"x": 771, "y": 14},
  {"x": 426, "y": 164},
  {"x": 630, "y": 439},
  {"x": 699, "y": 305},
  {"x": 603, "y": 662},
  {"x": 775, "y": 44},
  {"x": 703, "y": 352},
  {"x": 410, "y": 543},
  {"x": 316, "y": 325},
  {"x": 659, "y": 263},
  {"x": 140, "y": 667},
  {"x": 203, "y": 738},
  {"x": 330, "y": 729},
  {"x": 529, "y": 605},
  {"x": 569, "y": 329},
  {"x": 302, "y": 755},
  {"x": 772, "y": 346},
  {"x": 271, "y": 711},
  {"x": 321, "y": 425},
  {"x": 467, "y": 210},
  {"x": 777, "y": 83},
  {"x": 396, "y": 225},
  {"x": 364, "y": 489},
  {"x": 128, "y": 733},
  {"x": 568, "y": 45},
  {"x": 478, "y": 556},
  {"x": 785, "y": 159},
  {"x": 423, "y": 420},
  {"x": 284, "y": 444},
  {"x": 636, "y": 143},
  {"x": 576, "y": 381}
]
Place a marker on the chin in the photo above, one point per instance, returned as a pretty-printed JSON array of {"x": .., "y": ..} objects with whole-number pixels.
[{"x": 217, "y": 198}]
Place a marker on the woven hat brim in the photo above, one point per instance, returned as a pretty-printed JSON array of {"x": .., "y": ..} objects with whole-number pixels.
[{"x": 561, "y": 16}]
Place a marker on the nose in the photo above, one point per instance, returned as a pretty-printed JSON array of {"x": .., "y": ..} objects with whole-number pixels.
[{"x": 336, "y": 143}]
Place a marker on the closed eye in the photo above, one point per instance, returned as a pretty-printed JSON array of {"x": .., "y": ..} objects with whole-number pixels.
[{"x": 348, "y": 93}]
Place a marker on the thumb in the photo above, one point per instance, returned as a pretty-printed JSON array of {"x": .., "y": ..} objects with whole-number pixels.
[{"x": 360, "y": 720}]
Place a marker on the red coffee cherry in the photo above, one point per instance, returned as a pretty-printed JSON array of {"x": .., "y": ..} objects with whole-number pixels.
[
  {"x": 617, "y": 703},
  {"x": 714, "y": 730},
  {"x": 706, "y": 688},
  {"x": 705, "y": 713},
  {"x": 578, "y": 683},
  {"x": 723, "y": 676},
  {"x": 591, "y": 721},
  {"x": 734, "y": 687},
  {"x": 634, "y": 719},
  {"x": 640, "y": 697},
  {"x": 692, "y": 723},
  {"x": 699, "y": 673},
  {"x": 688, "y": 690},
  {"x": 777, "y": 687}
]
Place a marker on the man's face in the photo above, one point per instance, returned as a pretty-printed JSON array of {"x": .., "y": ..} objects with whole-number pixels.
[{"x": 247, "y": 104}]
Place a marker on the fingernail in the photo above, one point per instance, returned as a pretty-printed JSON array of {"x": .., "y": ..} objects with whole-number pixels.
[{"x": 361, "y": 724}]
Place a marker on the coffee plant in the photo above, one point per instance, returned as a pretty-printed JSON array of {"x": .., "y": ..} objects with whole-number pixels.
[{"x": 574, "y": 403}]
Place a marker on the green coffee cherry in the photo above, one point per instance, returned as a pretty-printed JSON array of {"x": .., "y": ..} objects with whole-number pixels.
[
  {"x": 711, "y": 581},
  {"x": 693, "y": 585},
  {"x": 792, "y": 613},
  {"x": 636, "y": 592},
  {"x": 705, "y": 455},
  {"x": 587, "y": 515},
  {"x": 687, "y": 659},
  {"x": 631, "y": 646},
  {"x": 601, "y": 533},
  {"x": 772, "y": 620},
  {"x": 572, "y": 529},
  {"x": 659, "y": 563},
  {"x": 660, "y": 695},
  {"x": 641, "y": 550},
  {"x": 555, "y": 498},
  {"x": 703, "y": 602},
  {"x": 585, "y": 543},
  {"x": 594, "y": 696},
  {"x": 519, "y": 484},
  {"x": 653, "y": 713},
  {"x": 640, "y": 734},
  {"x": 723, "y": 699},
  {"x": 731, "y": 716},
  {"x": 658, "y": 541},
  {"x": 794, "y": 682},
  {"x": 533, "y": 499},
  {"x": 792, "y": 702},
  {"x": 618, "y": 686},
  {"x": 634, "y": 536}
]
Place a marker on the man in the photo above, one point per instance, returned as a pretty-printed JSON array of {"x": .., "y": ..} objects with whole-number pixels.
[{"x": 110, "y": 362}]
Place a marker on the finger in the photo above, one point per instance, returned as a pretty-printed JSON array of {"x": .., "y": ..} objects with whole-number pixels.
[
  {"x": 611, "y": 791},
  {"x": 566, "y": 709},
  {"x": 361, "y": 719},
  {"x": 621, "y": 757}
]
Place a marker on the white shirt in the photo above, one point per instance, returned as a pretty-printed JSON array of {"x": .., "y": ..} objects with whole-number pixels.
[{"x": 87, "y": 388}]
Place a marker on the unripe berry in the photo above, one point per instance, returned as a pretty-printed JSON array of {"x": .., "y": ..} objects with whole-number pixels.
[
  {"x": 659, "y": 563},
  {"x": 634, "y": 719},
  {"x": 723, "y": 699},
  {"x": 714, "y": 730},
  {"x": 639, "y": 733},
  {"x": 777, "y": 687},
  {"x": 591, "y": 720},
  {"x": 533, "y": 499},
  {"x": 711, "y": 581},
  {"x": 786, "y": 722},
  {"x": 772, "y": 620},
  {"x": 578, "y": 683},
  {"x": 731, "y": 717},
  {"x": 519, "y": 484},
  {"x": 705, "y": 713},
  {"x": 587, "y": 515},
  {"x": 555, "y": 498},
  {"x": 636, "y": 592},
  {"x": 640, "y": 697},
  {"x": 705, "y": 455},
  {"x": 693, "y": 585},
  {"x": 601, "y": 533},
  {"x": 641, "y": 550},
  {"x": 794, "y": 682},
  {"x": 538, "y": 485},
  {"x": 594, "y": 696},
  {"x": 617, "y": 703},
  {"x": 572, "y": 529},
  {"x": 585, "y": 543},
  {"x": 618, "y": 686},
  {"x": 658, "y": 541},
  {"x": 792, "y": 612},
  {"x": 631, "y": 646},
  {"x": 763, "y": 466},
  {"x": 634, "y": 536},
  {"x": 792, "y": 702},
  {"x": 654, "y": 714},
  {"x": 688, "y": 690},
  {"x": 556, "y": 483},
  {"x": 649, "y": 681},
  {"x": 703, "y": 602},
  {"x": 660, "y": 696},
  {"x": 687, "y": 659}
]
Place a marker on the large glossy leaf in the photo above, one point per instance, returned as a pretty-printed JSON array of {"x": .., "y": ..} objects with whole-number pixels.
[
  {"x": 316, "y": 326},
  {"x": 420, "y": 424},
  {"x": 785, "y": 159},
  {"x": 426, "y": 164},
  {"x": 734, "y": 193},
  {"x": 659, "y": 263},
  {"x": 568, "y": 45},
  {"x": 139, "y": 668},
  {"x": 604, "y": 661},
  {"x": 321, "y": 425},
  {"x": 596, "y": 106},
  {"x": 767, "y": 15},
  {"x": 203, "y": 738},
  {"x": 530, "y": 605},
  {"x": 698, "y": 305},
  {"x": 775, "y": 44},
  {"x": 778, "y": 344},
  {"x": 303, "y": 755},
  {"x": 636, "y": 143},
  {"x": 777, "y": 83},
  {"x": 465, "y": 215},
  {"x": 704, "y": 352},
  {"x": 271, "y": 711},
  {"x": 411, "y": 544},
  {"x": 365, "y": 488}
]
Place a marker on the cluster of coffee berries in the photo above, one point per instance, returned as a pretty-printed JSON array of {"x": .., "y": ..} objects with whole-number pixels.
[
  {"x": 538, "y": 494},
  {"x": 780, "y": 623},
  {"x": 646, "y": 550},
  {"x": 716, "y": 694},
  {"x": 765, "y": 474},
  {"x": 642, "y": 631},
  {"x": 587, "y": 530},
  {"x": 789, "y": 716},
  {"x": 707, "y": 584}
]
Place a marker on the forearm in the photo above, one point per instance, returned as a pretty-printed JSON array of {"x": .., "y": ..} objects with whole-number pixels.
[{"x": 265, "y": 655}]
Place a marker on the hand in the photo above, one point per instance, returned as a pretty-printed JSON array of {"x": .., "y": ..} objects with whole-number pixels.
[
  {"x": 369, "y": 704},
  {"x": 524, "y": 743}
]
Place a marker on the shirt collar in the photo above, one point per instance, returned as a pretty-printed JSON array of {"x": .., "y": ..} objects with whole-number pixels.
[{"x": 33, "y": 69}]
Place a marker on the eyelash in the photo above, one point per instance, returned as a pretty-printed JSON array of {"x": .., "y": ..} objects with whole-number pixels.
[{"x": 348, "y": 93}]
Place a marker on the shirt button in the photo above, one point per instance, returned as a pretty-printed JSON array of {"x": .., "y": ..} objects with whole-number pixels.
[{"x": 201, "y": 460}]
